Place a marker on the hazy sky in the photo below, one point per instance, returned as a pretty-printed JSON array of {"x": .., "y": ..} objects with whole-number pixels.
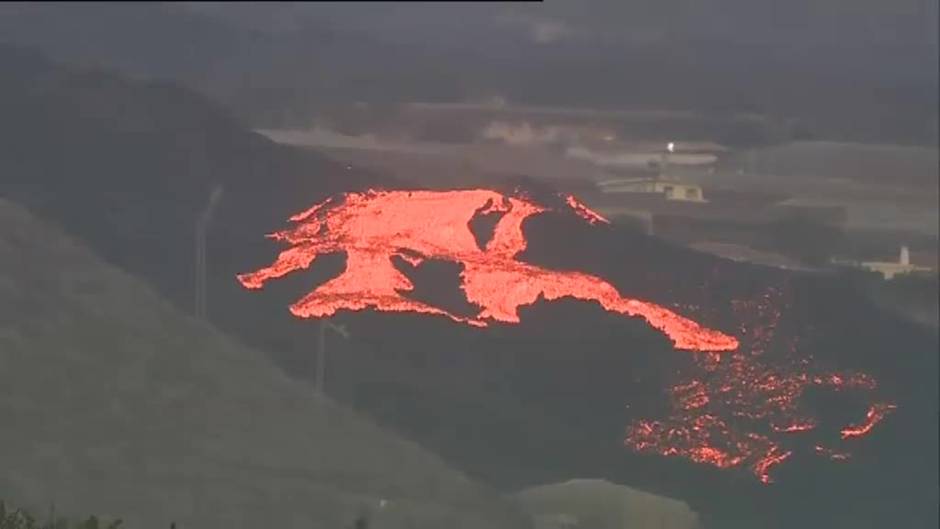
[
  {"x": 847, "y": 59},
  {"x": 824, "y": 23}
]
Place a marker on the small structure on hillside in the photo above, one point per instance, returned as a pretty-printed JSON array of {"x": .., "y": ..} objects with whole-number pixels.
[
  {"x": 669, "y": 189},
  {"x": 662, "y": 184},
  {"x": 903, "y": 266}
]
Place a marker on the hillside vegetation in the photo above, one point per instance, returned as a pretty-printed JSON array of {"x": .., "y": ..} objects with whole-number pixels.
[
  {"x": 14, "y": 518},
  {"x": 599, "y": 504},
  {"x": 115, "y": 403}
]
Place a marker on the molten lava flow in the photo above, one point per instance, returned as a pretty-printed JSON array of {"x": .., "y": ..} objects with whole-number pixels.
[
  {"x": 875, "y": 414},
  {"x": 796, "y": 427},
  {"x": 745, "y": 408},
  {"x": 584, "y": 212},
  {"x": 774, "y": 457},
  {"x": 740, "y": 409},
  {"x": 375, "y": 226}
]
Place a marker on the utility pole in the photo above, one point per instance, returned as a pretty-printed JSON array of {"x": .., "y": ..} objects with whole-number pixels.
[
  {"x": 198, "y": 275},
  {"x": 202, "y": 227},
  {"x": 321, "y": 352},
  {"x": 664, "y": 165}
]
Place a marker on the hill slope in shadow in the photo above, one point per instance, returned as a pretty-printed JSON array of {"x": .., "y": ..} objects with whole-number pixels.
[{"x": 117, "y": 404}]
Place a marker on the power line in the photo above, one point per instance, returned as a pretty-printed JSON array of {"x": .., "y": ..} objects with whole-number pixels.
[
  {"x": 321, "y": 352},
  {"x": 201, "y": 230}
]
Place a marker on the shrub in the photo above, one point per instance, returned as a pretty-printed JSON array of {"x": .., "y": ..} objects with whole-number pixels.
[{"x": 21, "y": 519}]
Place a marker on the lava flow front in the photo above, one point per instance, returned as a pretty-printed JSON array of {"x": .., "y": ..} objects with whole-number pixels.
[
  {"x": 746, "y": 409},
  {"x": 374, "y": 227}
]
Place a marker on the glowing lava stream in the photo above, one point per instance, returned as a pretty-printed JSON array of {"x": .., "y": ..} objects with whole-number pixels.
[
  {"x": 375, "y": 226},
  {"x": 875, "y": 414},
  {"x": 746, "y": 408},
  {"x": 742, "y": 409}
]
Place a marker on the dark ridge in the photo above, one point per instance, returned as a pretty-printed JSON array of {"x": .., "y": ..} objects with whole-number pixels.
[
  {"x": 437, "y": 283},
  {"x": 483, "y": 225}
]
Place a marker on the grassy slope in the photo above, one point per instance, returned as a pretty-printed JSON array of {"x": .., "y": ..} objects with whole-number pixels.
[
  {"x": 604, "y": 505},
  {"x": 115, "y": 403}
]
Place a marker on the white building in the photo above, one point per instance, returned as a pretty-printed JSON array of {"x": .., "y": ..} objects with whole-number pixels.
[{"x": 889, "y": 269}]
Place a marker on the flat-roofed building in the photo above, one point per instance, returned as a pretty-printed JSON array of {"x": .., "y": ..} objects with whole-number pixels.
[{"x": 669, "y": 189}]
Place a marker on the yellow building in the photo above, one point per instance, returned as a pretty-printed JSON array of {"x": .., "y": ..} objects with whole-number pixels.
[{"x": 669, "y": 189}]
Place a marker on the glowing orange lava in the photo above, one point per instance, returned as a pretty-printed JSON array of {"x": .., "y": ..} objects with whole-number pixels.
[
  {"x": 875, "y": 414},
  {"x": 744, "y": 408},
  {"x": 375, "y": 226},
  {"x": 774, "y": 457},
  {"x": 584, "y": 212},
  {"x": 740, "y": 409}
]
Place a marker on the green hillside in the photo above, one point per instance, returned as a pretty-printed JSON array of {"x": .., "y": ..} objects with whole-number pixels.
[
  {"x": 599, "y": 504},
  {"x": 114, "y": 403}
]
